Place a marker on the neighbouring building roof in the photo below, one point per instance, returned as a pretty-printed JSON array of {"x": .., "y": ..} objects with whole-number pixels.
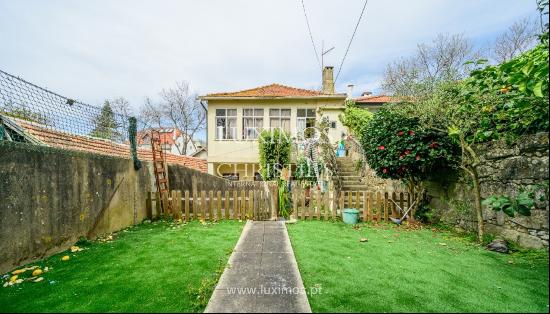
[
  {"x": 371, "y": 99},
  {"x": 273, "y": 90},
  {"x": 168, "y": 136},
  {"x": 100, "y": 146}
]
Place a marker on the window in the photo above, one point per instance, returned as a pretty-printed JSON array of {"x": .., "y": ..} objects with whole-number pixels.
[
  {"x": 305, "y": 119},
  {"x": 253, "y": 123},
  {"x": 226, "y": 124},
  {"x": 279, "y": 119}
]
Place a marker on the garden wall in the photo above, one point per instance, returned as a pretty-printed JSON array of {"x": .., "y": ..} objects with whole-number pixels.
[
  {"x": 504, "y": 170},
  {"x": 49, "y": 198}
]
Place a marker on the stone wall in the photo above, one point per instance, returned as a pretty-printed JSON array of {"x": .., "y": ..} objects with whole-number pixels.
[
  {"x": 49, "y": 198},
  {"x": 504, "y": 170}
]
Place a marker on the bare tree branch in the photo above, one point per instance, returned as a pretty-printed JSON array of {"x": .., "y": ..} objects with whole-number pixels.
[{"x": 518, "y": 38}]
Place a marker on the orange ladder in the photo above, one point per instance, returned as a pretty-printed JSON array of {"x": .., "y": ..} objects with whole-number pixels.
[{"x": 159, "y": 168}]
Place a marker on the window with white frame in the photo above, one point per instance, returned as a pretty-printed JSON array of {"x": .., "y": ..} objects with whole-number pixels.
[
  {"x": 226, "y": 124},
  {"x": 279, "y": 119},
  {"x": 253, "y": 123},
  {"x": 305, "y": 118}
]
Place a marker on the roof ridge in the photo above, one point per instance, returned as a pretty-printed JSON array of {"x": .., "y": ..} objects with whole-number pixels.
[{"x": 263, "y": 87}]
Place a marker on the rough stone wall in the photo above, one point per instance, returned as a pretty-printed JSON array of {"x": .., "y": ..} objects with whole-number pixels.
[
  {"x": 49, "y": 198},
  {"x": 504, "y": 170}
]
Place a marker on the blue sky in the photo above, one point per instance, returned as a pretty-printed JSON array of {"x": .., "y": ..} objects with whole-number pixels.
[{"x": 92, "y": 50}]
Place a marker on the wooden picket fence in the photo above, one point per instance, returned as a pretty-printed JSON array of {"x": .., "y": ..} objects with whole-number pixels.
[
  {"x": 211, "y": 205},
  {"x": 260, "y": 205},
  {"x": 372, "y": 206}
]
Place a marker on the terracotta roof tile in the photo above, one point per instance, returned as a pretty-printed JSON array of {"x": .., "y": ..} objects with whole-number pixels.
[
  {"x": 273, "y": 90},
  {"x": 104, "y": 147},
  {"x": 374, "y": 99}
]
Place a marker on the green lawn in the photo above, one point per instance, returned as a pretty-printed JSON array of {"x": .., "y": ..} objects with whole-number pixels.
[
  {"x": 414, "y": 271},
  {"x": 155, "y": 267}
]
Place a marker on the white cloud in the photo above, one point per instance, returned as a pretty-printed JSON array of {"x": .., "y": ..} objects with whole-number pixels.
[{"x": 103, "y": 49}]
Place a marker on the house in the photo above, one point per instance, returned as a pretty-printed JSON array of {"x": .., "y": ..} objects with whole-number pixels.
[
  {"x": 373, "y": 102},
  {"x": 34, "y": 133},
  {"x": 201, "y": 151},
  {"x": 172, "y": 141},
  {"x": 235, "y": 120}
]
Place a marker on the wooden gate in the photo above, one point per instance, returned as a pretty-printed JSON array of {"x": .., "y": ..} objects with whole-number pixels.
[
  {"x": 211, "y": 205},
  {"x": 372, "y": 206}
]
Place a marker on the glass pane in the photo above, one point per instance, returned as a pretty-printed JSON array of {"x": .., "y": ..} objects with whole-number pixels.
[
  {"x": 220, "y": 122},
  {"x": 231, "y": 128},
  {"x": 220, "y": 112},
  {"x": 274, "y": 123},
  {"x": 273, "y": 112},
  {"x": 231, "y": 112},
  {"x": 259, "y": 112},
  {"x": 300, "y": 125},
  {"x": 285, "y": 124},
  {"x": 311, "y": 113},
  {"x": 310, "y": 122},
  {"x": 301, "y": 113},
  {"x": 259, "y": 124},
  {"x": 285, "y": 112},
  {"x": 248, "y": 112}
]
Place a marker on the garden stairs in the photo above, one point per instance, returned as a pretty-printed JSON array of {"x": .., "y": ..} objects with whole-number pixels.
[{"x": 350, "y": 176}]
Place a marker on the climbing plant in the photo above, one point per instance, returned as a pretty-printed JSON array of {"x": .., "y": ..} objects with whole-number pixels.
[{"x": 274, "y": 149}]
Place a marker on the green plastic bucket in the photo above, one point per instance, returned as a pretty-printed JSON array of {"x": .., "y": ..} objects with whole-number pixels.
[{"x": 350, "y": 216}]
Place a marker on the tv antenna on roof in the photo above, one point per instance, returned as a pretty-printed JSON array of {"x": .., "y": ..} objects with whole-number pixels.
[{"x": 323, "y": 53}]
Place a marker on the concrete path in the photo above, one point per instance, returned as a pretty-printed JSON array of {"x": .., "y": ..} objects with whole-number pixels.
[{"x": 262, "y": 275}]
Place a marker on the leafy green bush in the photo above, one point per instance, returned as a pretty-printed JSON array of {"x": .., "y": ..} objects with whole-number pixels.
[
  {"x": 274, "y": 149},
  {"x": 522, "y": 204},
  {"x": 520, "y": 95},
  {"x": 355, "y": 118},
  {"x": 397, "y": 147}
]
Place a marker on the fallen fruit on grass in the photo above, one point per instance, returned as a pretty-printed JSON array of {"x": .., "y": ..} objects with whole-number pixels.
[
  {"x": 65, "y": 258},
  {"x": 37, "y": 272},
  {"x": 13, "y": 278},
  {"x": 363, "y": 240},
  {"x": 74, "y": 249},
  {"x": 39, "y": 279},
  {"x": 19, "y": 271},
  {"x": 18, "y": 281}
]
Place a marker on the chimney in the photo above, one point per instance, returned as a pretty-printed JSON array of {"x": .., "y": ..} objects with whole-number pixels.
[
  {"x": 350, "y": 91},
  {"x": 367, "y": 93},
  {"x": 328, "y": 80}
]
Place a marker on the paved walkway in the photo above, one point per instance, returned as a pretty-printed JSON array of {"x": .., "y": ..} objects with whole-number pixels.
[{"x": 262, "y": 275}]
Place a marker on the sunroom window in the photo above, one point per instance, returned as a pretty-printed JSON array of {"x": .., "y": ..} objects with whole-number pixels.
[
  {"x": 226, "y": 124},
  {"x": 253, "y": 123}
]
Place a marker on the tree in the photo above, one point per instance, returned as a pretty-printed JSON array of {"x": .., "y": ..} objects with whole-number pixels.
[
  {"x": 518, "y": 38},
  {"x": 105, "y": 123},
  {"x": 121, "y": 107},
  {"x": 442, "y": 60},
  {"x": 179, "y": 108}
]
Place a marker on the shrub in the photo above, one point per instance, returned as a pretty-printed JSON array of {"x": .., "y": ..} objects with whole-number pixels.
[
  {"x": 520, "y": 95},
  {"x": 397, "y": 147},
  {"x": 274, "y": 147},
  {"x": 356, "y": 119}
]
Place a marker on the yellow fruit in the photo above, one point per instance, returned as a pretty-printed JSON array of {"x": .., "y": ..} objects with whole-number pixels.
[
  {"x": 75, "y": 248},
  {"x": 13, "y": 278},
  {"x": 19, "y": 271},
  {"x": 37, "y": 272},
  {"x": 65, "y": 258}
]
